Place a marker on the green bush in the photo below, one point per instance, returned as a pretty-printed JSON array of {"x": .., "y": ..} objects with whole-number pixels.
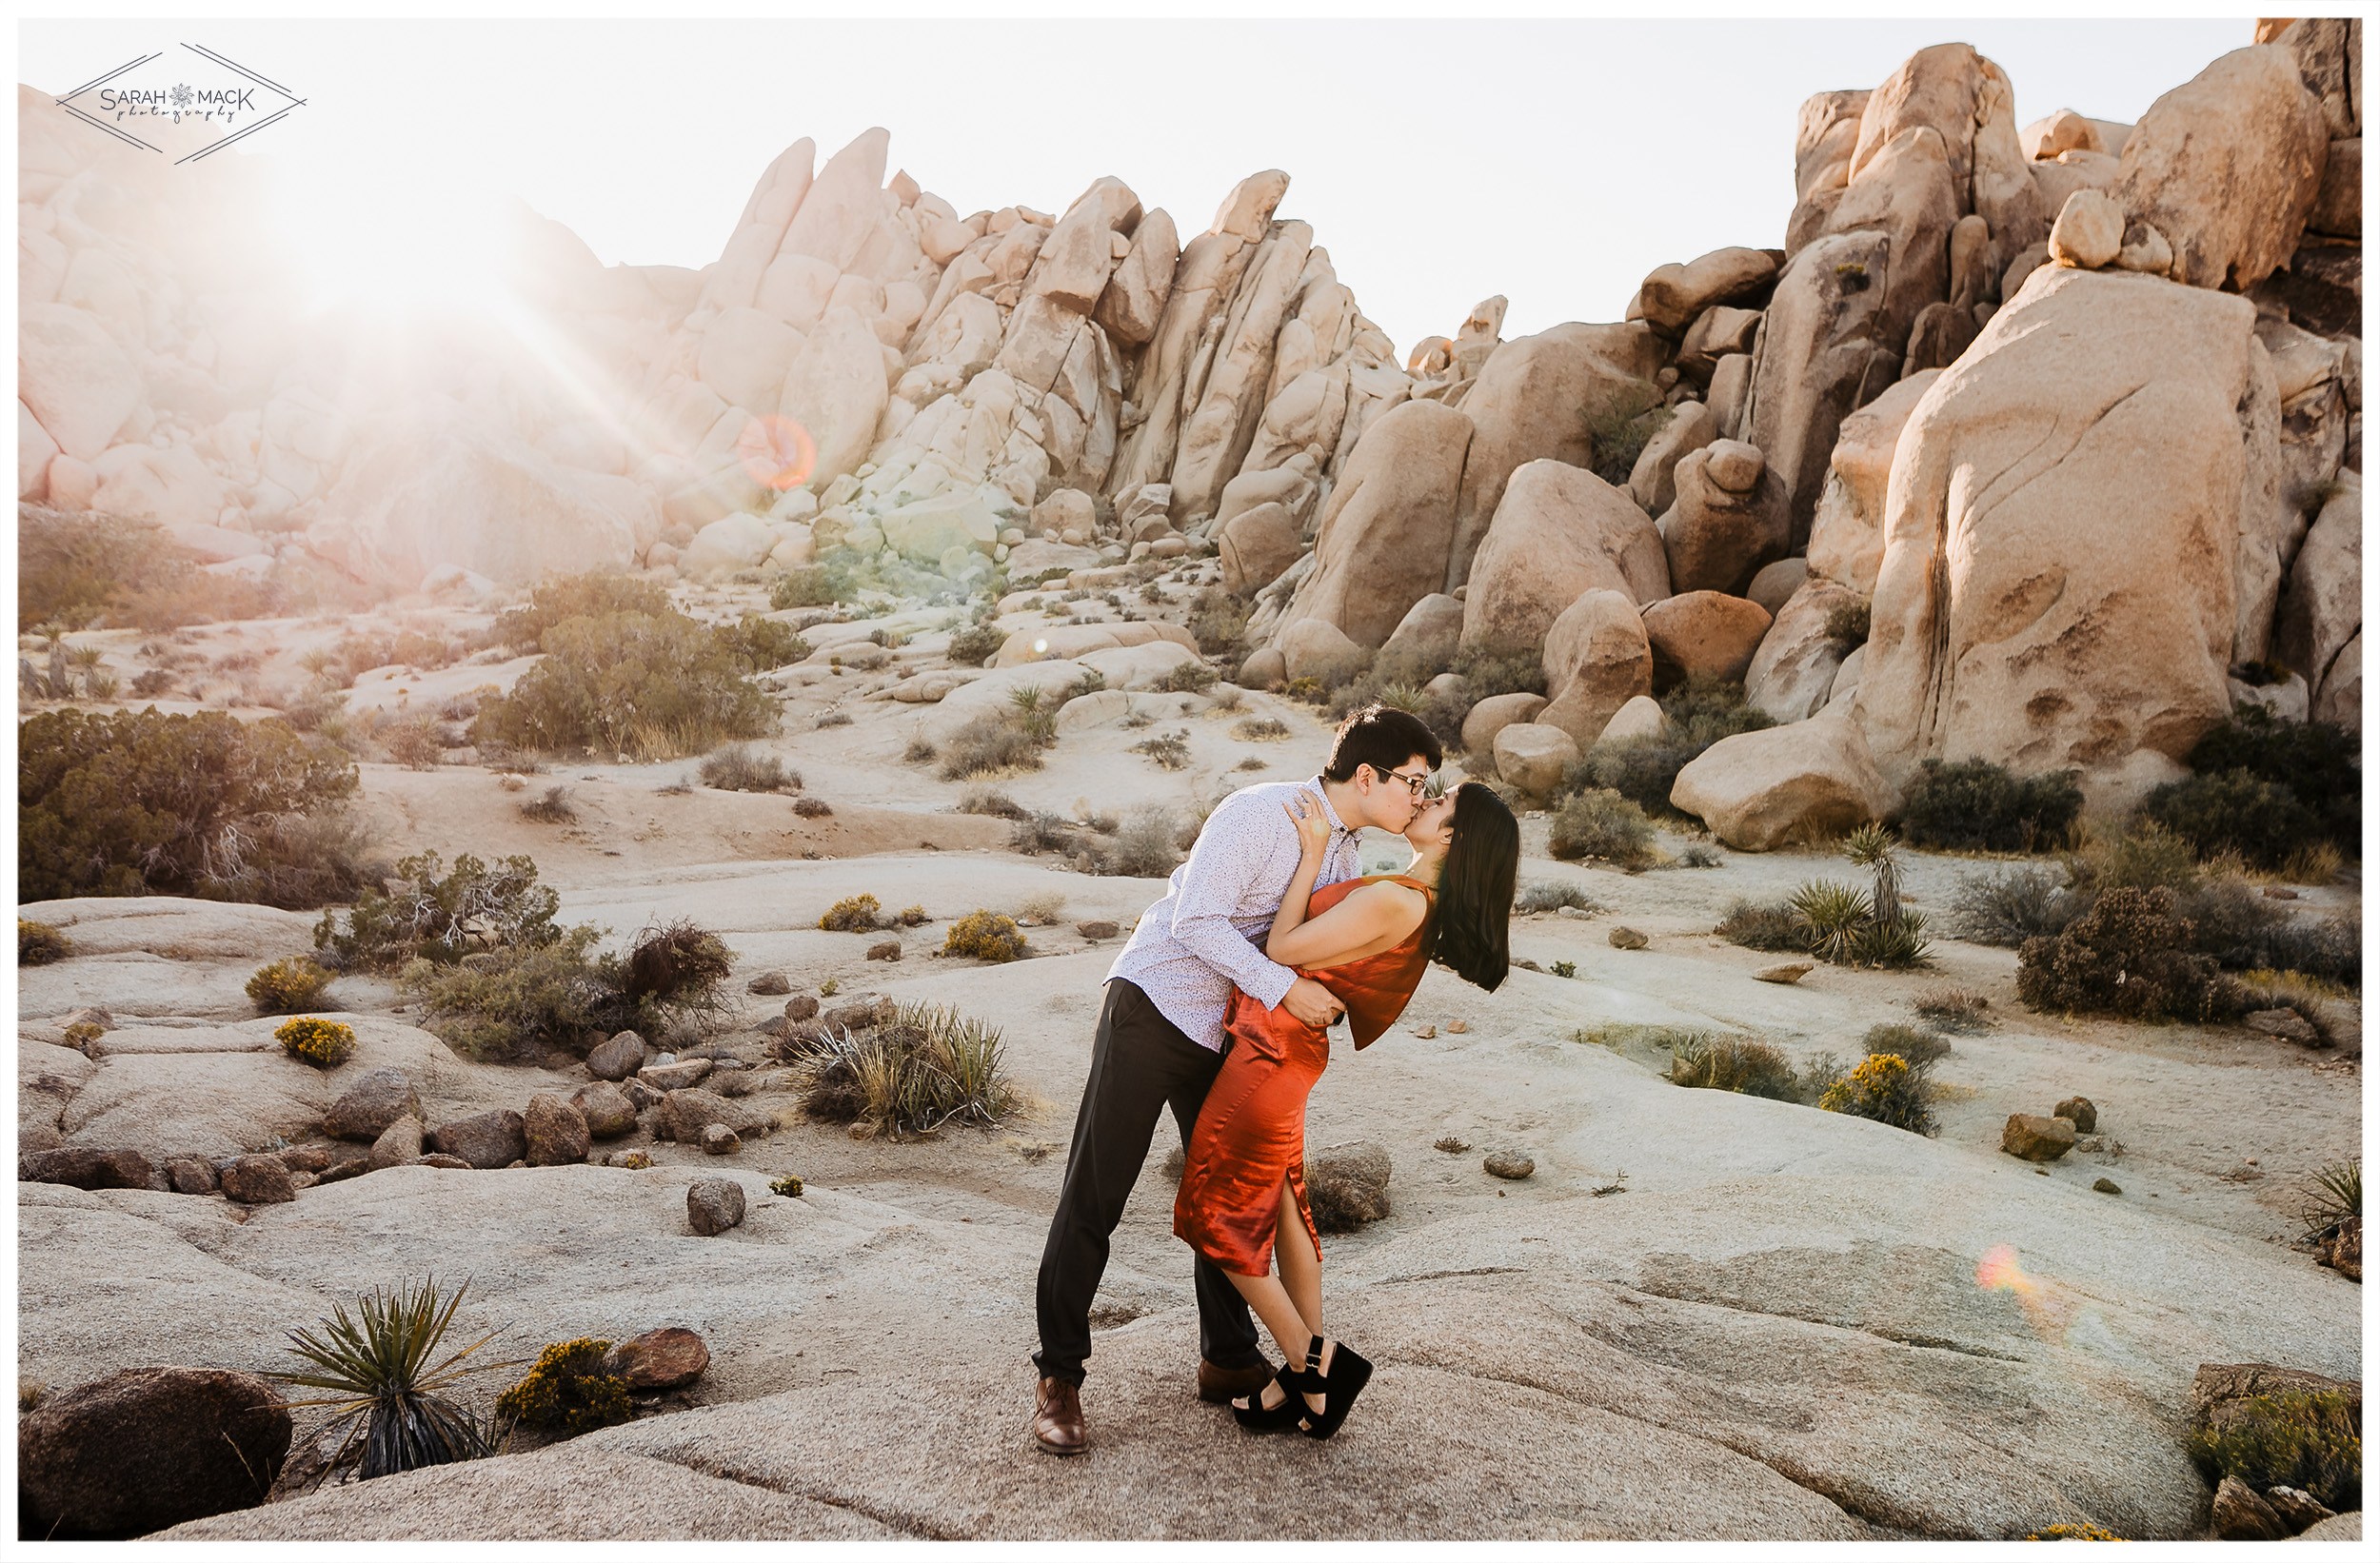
[
  {"x": 861, "y": 914},
  {"x": 568, "y": 1391},
  {"x": 596, "y": 595},
  {"x": 2142, "y": 855},
  {"x": 1146, "y": 845},
  {"x": 1487, "y": 673},
  {"x": 758, "y": 644},
  {"x": 1186, "y": 678},
  {"x": 326, "y": 1044},
  {"x": 1009, "y": 738},
  {"x": 741, "y": 768},
  {"x": 412, "y": 742},
  {"x": 2319, "y": 761},
  {"x": 423, "y": 914},
  {"x": 808, "y": 587},
  {"x": 2011, "y": 905},
  {"x": 678, "y": 965},
  {"x": 1976, "y": 805},
  {"x": 654, "y": 686},
  {"x": 38, "y": 944},
  {"x": 2293, "y": 1439},
  {"x": 2234, "y": 811},
  {"x": 288, "y": 985},
  {"x": 1758, "y": 925},
  {"x": 1953, "y": 1009},
  {"x": 1849, "y": 623},
  {"x": 1645, "y": 769},
  {"x": 74, "y": 571},
  {"x": 509, "y": 1003},
  {"x": 1552, "y": 895},
  {"x": 1742, "y": 1064},
  {"x": 1617, "y": 436},
  {"x": 1886, "y": 1088},
  {"x": 1217, "y": 622},
  {"x": 930, "y": 1066},
  {"x": 139, "y": 803},
  {"x": 1598, "y": 822},
  {"x": 1918, "y": 1049},
  {"x": 984, "y": 936},
  {"x": 2130, "y": 955},
  {"x": 977, "y": 644}
]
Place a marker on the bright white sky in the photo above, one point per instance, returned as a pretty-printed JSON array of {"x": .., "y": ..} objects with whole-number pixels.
[{"x": 1554, "y": 161}]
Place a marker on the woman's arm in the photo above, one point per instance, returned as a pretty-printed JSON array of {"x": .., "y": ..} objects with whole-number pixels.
[
  {"x": 1314, "y": 841},
  {"x": 1378, "y": 916}
]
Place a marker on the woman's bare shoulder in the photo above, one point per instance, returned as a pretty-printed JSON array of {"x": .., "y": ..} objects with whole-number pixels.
[{"x": 1388, "y": 898}]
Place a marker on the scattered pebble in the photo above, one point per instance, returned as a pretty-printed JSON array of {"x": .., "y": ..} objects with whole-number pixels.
[
  {"x": 2085, "y": 1117},
  {"x": 714, "y": 1204},
  {"x": 1457, "y": 1028},
  {"x": 2106, "y": 1185},
  {"x": 1096, "y": 929},
  {"x": 770, "y": 984},
  {"x": 1508, "y": 1164},
  {"x": 1789, "y": 971},
  {"x": 1627, "y": 939},
  {"x": 888, "y": 949},
  {"x": 718, "y": 1140},
  {"x": 1425, "y": 1032},
  {"x": 1578, "y": 912}
]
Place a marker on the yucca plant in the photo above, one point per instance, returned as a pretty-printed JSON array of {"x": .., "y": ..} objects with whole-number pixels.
[
  {"x": 1871, "y": 847},
  {"x": 2334, "y": 1194},
  {"x": 375, "y": 1363},
  {"x": 1831, "y": 916}
]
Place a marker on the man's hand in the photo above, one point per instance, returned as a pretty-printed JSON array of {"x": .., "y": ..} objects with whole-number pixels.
[{"x": 1312, "y": 1004}]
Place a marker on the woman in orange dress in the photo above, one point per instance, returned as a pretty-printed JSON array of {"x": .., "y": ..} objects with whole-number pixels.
[{"x": 1242, "y": 1197}]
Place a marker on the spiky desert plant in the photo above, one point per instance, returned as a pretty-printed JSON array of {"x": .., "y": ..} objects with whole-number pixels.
[
  {"x": 2332, "y": 1193},
  {"x": 1831, "y": 916},
  {"x": 391, "y": 1397},
  {"x": 1871, "y": 847}
]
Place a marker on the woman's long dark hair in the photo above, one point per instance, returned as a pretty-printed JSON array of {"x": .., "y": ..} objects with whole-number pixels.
[{"x": 1474, "y": 889}]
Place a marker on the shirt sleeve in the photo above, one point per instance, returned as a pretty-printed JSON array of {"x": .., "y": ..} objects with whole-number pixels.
[{"x": 1229, "y": 855}]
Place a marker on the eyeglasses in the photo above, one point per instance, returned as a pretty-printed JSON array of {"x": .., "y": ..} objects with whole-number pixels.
[{"x": 1424, "y": 785}]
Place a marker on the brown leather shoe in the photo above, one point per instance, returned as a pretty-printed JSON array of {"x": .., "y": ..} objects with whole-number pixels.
[
  {"x": 1057, "y": 1419},
  {"x": 1219, "y": 1385}
]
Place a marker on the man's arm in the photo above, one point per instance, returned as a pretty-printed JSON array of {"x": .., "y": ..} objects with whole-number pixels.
[{"x": 1230, "y": 854}]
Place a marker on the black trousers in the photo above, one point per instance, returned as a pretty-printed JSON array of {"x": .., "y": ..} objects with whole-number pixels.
[{"x": 1139, "y": 1064}]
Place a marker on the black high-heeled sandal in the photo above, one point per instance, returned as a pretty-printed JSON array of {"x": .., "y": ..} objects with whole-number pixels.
[
  {"x": 1339, "y": 1387},
  {"x": 1295, "y": 1384}
]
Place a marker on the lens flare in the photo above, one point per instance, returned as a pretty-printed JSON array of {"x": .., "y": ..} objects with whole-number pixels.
[
  {"x": 778, "y": 452},
  {"x": 2046, "y": 1309}
]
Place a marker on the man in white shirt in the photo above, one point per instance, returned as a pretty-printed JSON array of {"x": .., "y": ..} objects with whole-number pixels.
[{"x": 1161, "y": 1039}]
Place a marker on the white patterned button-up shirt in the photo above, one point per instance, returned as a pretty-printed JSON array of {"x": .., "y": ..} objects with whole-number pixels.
[{"x": 1206, "y": 935}]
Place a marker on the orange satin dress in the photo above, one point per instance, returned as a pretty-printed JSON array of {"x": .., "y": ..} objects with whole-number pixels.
[{"x": 1251, "y": 1134}]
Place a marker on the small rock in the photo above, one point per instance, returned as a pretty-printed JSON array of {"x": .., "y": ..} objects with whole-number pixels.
[
  {"x": 1098, "y": 928},
  {"x": 373, "y": 1103},
  {"x": 1425, "y": 1032},
  {"x": 685, "y": 1114},
  {"x": 1347, "y": 1185},
  {"x": 632, "y": 1161},
  {"x": 442, "y": 1159},
  {"x": 770, "y": 984},
  {"x": 617, "y": 1058},
  {"x": 718, "y": 1140},
  {"x": 606, "y": 1109},
  {"x": 2298, "y": 1508},
  {"x": 1508, "y": 1164},
  {"x": 485, "y": 1141},
  {"x": 148, "y": 1448},
  {"x": 555, "y": 1132},
  {"x": 714, "y": 1204},
  {"x": 1787, "y": 971},
  {"x": 2344, "y": 1253},
  {"x": 802, "y": 1007},
  {"x": 1451, "y": 1145},
  {"x": 1627, "y": 939},
  {"x": 1578, "y": 912},
  {"x": 667, "y": 1358},
  {"x": 640, "y": 1095},
  {"x": 861, "y": 1015},
  {"x": 190, "y": 1175},
  {"x": 886, "y": 949},
  {"x": 2279, "y": 892},
  {"x": 667, "y": 1078},
  {"x": 2285, "y": 1023},
  {"x": 309, "y": 1158},
  {"x": 398, "y": 1146},
  {"x": 2086, "y": 1117},
  {"x": 353, "y": 1165},
  {"x": 2037, "y": 1139},
  {"x": 83, "y": 1168},
  {"x": 258, "y": 1180},
  {"x": 2240, "y": 1514},
  {"x": 2106, "y": 1185},
  {"x": 1457, "y": 1028}
]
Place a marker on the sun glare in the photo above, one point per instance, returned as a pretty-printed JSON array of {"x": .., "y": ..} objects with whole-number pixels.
[{"x": 392, "y": 250}]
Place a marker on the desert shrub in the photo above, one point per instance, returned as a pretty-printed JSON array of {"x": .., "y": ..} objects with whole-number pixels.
[
  {"x": 2293, "y": 1438},
  {"x": 1701, "y": 855},
  {"x": 150, "y": 682},
  {"x": 2008, "y": 906},
  {"x": 38, "y": 944},
  {"x": 678, "y": 965},
  {"x": 2334, "y": 1193},
  {"x": 1598, "y": 822},
  {"x": 2130, "y": 955},
  {"x": 812, "y": 808},
  {"x": 977, "y": 643},
  {"x": 388, "y": 1394},
  {"x": 2082, "y": 1532},
  {"x": 1035, "y": 833},
  {"x": 930, "y": 1066},
  {"x": 2141, "y": 855},
  {"x": 2234, "y": 811},
  {"x": 1974, "y": 805},
  {"x": 806, "y": 586},
  {"x": 758, "y": 644},
  {"x": 78, "y": 570},
  {"x": 984, "y": 936},
  {"x": 985, "y": 801},
  {"x": 288, "y": 985},
  {"x": 1745, "y": 1065},
  {"x": 421, "y": 913},
  {"x": 833, "y": 719},
  {"x": 412, "y": 742},
  {"x": 1918, "y": 1049},
  {"x": 1618, "y": 434},
  {"x": 861, "y": 914},
  {"x": 326, "y": 1044},
  {"x": 514, "y": 1002},
  {"x": 137, "y": 802},
  {"x": 552, "y": 807},
  {"x": 1218, "y": 622},
  {"x": 597, "y": 594},
  {"x": 2330, "y": 949},
  {"x": 1829, "y": 916},
  {"x": 1011, "y": 737},
  {"x": 1644, "y": 770},
  {"x": 1849, "y": 623},
  {"x": 1487, "y": 673},
  {"x": 568, "y": 1391},
  {"x": 1953, "y": 1009},
  {"x": 1186, "y": 678},
  {"x": 652, "y": 685},
  {"x": 2318, "y": 762},
  {"x": 740, "y": 767},
  {"x": 920, "y": 750},
  {"x": 1564, "y": 968},
  {"x": 1167, "y": 751},
  {"x": 1552, "y": 895},
  {"x": 1758, "y": 925},
  {"x": 1145, "y": 846},
  {"x": 1886, "y": 1088},
  {"x": 1259, "y": 729}
]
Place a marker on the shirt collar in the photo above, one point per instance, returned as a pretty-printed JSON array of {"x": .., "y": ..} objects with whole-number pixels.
[{"x": 1337, "y": 823}]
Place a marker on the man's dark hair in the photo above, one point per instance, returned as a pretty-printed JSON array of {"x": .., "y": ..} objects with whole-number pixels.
[{"x": 1384, "y": 737}]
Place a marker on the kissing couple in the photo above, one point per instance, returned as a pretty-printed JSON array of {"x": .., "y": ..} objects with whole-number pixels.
[{"x": 1219, "y": 1008}]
